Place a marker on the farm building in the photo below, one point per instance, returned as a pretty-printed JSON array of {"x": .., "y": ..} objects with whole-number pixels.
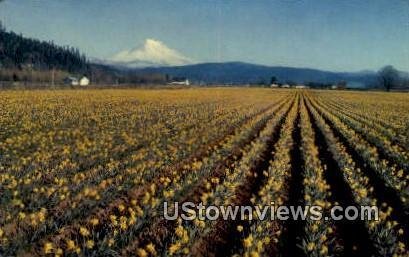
[
  {"x": 84, "y": 81},
  {"x": 179, "y": 81},
  {"x": 73, "y": 81}
]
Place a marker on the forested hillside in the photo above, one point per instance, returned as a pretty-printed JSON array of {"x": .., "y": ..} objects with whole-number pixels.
[{"x": 18, "y": 52}]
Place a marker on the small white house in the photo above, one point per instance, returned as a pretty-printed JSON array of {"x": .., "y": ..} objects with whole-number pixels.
[
  {"x": 285, "y": 86},
  {"x": 84, "y": 81},
  {"x": 73, "y": 81},
  {"x": 274, "y": 85},
  {"x": 184, "y": 82}
]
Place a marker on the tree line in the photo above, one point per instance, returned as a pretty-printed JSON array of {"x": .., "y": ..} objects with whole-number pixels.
[{"x": 18, "y": 52}]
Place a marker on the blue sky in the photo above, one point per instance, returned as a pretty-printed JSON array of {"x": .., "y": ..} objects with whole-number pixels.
[{"x": 347, "y": 35}]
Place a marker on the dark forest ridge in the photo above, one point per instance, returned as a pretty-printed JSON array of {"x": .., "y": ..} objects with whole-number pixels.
[{"x": 20, "y": 52}]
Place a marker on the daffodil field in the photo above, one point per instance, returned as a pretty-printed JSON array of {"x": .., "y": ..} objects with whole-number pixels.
[{"x": 86, "y": 172}]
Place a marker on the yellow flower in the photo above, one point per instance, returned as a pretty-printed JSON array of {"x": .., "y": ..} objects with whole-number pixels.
[
  {"x": 314, "y": 228},
  {"x": 123, "y": 223},
  {"x": 41, "y": 214},
  {"x": 185, "y": 251},
  {"x": 247, "y": 242},
  {"x": 48, "y": 248},
  {"x": 259, "y": 245},
  {"x": 179, "y": 231},
  {"x": 90, "y": 244},
  {"x": 310, "y": 246},
  {"x": 324, "y": 250},
  {"x": 121, "y": 207},
  {"x": 84, "y": 231},
  {"x": 94, "y": 221},
  {"x": 254, "y": 254},
  {"x": 70, "y": 244},
  {"x": 174, "y": 248},
  {"x": 266, "y": 240},
  {"x": 113, "y": 220},
  {"x": 141, "y": 252},
  {"x": 239, "y": 228},
  {"x": 259, "y": 229},
  {"x": 21, "y": 215},
  {"x": 59, "y": 252},
  {"x": 151, "y": 249}
]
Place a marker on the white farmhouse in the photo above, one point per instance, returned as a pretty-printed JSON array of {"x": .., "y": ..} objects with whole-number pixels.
[
  {"x": 180, "y": 81},
  {"x": 84, "y": 81}
]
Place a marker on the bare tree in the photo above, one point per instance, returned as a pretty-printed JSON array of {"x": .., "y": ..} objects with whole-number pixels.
[{"x": 388, "y": 77}]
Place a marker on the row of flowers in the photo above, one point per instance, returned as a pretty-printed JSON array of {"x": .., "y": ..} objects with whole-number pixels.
[
  {"x": 385, "y": 233},
  {"x": 317, "y": 233},
  {"x": 392, "y": 177},
  {"x": 264, "y": 235}
]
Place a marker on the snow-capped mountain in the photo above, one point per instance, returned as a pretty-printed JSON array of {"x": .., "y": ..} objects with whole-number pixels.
[{"x": 153, "y": 53}]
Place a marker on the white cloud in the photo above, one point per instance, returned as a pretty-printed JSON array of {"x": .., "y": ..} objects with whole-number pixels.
[{"x": 152, "y": 53}]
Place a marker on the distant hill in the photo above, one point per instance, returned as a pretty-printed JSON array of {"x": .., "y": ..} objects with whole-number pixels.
[
  {"x": 245, "y": 73},
  {"x": 18, "y": 52}
]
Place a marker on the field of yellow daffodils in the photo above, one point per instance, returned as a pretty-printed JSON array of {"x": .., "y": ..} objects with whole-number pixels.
[{"x": 87, "y": 172}]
